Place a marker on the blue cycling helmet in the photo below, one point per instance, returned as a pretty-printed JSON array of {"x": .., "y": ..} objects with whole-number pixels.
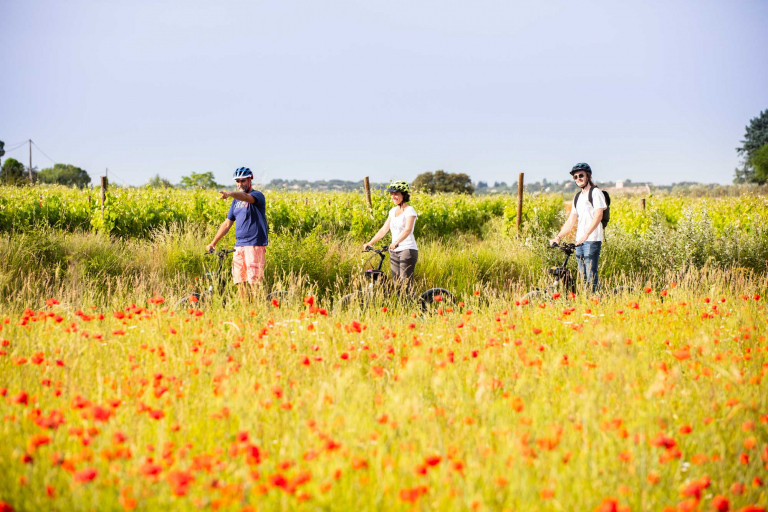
[{"x": 241, "y": 173}]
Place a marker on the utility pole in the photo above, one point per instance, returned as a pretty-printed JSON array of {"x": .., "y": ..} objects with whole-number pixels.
[
  {"x": 30, "y": 161},
  {"x": 520, "y": 200}
]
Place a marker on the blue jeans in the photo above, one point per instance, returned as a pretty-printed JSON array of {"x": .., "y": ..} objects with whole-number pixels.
[{"x": 587, "y": 256}]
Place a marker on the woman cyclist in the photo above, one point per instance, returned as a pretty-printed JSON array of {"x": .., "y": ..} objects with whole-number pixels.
[{"x": 403, "y": 252}]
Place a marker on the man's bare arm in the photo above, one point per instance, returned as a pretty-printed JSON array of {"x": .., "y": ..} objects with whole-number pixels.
[
  {"x": 240, "y": 196},
  {"x": 223, "y": 230}
]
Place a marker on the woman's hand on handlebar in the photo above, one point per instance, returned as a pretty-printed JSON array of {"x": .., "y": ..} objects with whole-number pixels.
[
  {"x": 367, "y": 246},
  {"x": 210, "y": 248}
]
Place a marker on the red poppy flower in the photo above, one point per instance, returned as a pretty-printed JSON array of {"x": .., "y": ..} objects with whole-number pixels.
[
  {"x": 720, "y": 503},
  {"x": 694, "y": 488},
  {"x": 84, "y": 475},
  {"x": 150, "y": 469},
  {"x": 22, "y": 398},
  {"x": 608, "y": 505},
  {"x": 179, "y": 481}
]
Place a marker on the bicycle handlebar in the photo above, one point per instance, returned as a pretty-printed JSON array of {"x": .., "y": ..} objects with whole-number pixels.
[
  {"x": 221, "y": 253},
  {"x": 564, "y": 247},
  {"x": 377, "y": 251}
]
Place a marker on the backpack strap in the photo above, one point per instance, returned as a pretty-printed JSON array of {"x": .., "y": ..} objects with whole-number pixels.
[{"x": 589, "y": 197}]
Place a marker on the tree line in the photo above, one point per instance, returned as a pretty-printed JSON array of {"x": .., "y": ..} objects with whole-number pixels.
[
  {"x": 753, "y": 169},
  {"x": 15, "y": 173}
]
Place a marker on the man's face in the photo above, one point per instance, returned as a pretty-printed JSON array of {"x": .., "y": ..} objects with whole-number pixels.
[
  {"x": 243, "y": 184},
  {"x": 581, "y": 178}
]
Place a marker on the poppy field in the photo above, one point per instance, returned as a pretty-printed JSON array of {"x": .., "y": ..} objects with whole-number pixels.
[{"x": 651, "y": 401}]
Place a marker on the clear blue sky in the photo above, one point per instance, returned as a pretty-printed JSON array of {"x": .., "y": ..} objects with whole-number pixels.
[{"x": 645, "y": 90}]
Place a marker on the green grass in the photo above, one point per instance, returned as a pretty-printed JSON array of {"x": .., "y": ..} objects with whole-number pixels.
[{"x": 518, "y": 403}]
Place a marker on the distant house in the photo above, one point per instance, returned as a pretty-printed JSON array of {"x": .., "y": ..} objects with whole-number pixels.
[{"x": 628, "y": 188}]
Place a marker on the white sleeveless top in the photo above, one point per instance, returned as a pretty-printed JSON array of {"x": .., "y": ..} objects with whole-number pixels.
[{"x": 397, "y": 226}]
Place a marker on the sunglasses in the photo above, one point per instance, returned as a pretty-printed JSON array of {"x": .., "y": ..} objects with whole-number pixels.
[{"x": 579, "y": 176}]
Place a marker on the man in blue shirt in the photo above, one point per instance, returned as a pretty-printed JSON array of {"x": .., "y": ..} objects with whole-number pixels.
[{"x": 248, "y": 212}]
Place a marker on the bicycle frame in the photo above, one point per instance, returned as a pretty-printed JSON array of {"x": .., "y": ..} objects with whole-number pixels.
[
  {"x": 215, "y": 278},
  {"x": 562, "y": 274},
  {"x": 376, "y": 273},
  {"x": 433, "y": 295}
]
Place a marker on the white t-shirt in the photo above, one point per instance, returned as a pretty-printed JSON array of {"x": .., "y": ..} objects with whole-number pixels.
[
  {"x": 586, "y": 214},
  {"x": 397, "y": 226}
]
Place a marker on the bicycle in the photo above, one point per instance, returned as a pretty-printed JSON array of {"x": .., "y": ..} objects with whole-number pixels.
[
  {"x": 366, "y": 297},
  {"x": 564, "y": 284},
  {"x": 217, "y": 285}
]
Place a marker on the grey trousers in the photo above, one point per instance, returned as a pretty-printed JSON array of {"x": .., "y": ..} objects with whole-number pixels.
[{"x": 402, "y": 263}]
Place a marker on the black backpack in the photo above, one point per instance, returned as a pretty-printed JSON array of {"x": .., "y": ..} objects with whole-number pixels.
[{"x": 606, "y": 212}]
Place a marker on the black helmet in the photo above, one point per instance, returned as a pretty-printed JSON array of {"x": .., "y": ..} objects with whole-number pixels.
[{"x": 581, "y": 167}]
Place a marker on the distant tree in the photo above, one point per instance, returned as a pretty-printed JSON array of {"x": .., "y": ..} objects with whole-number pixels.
[
  {"x": 759, "y": 163},
  {"x": 13, "y": 173},
  {"x": 497, "y": 184},
  {"x": 2, "y": 152},
  {"x": 755, "y": 138},
  {"x": 65, "y": 174},
  {"x": 157, "y": 182},
  {"x": 482, "y": 184},
  {"x": 441, "y": 181},
  {"x": 199, "y": 180}
]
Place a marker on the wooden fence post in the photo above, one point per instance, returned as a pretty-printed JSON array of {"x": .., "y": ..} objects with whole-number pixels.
[
  {"x": 103, "y": 194},
  {"x": 520, "y": 201},
  {"x": 643, "y": 203},
  {"x": 367, "y": 185}
]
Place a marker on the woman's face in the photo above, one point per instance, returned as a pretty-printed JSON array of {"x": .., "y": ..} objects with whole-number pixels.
[{"x": 397, "y": 197}]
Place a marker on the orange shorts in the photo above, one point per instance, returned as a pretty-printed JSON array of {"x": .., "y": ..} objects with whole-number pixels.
[{"x": 248, "y": 264}]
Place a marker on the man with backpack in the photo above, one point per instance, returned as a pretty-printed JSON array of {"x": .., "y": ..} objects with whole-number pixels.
[{"x": 590, "y": 213}]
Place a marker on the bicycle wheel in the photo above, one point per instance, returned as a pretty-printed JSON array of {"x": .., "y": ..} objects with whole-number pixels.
[
  {"x": 535, "y": 297},
  {"x": 281, "y": 296},
  {"x": 193, "y": 300},
  {"x": 623, "y": 290},
  {"x": 435, "y": 298},
  {"x": 353, "y": 301}
]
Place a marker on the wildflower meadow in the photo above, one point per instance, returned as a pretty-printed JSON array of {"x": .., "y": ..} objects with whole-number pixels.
[{"x": 115, "y": 394}]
